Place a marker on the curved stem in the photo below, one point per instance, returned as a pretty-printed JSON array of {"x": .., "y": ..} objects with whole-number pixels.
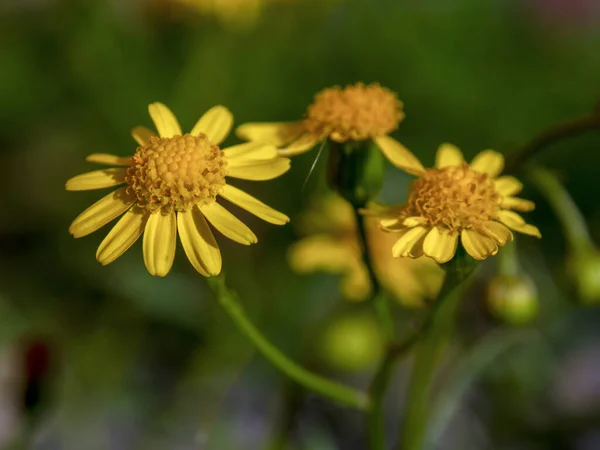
[
  {"x": 558, "y": 132},
  {"x": 345, "y": 395},
  {"x": 438, "y": 326},
  {"x": 380, "y": 301},
  {"x": 572, "y": 221}
]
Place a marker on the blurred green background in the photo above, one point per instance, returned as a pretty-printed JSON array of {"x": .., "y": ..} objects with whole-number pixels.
[{"x": 98, "y": 357}]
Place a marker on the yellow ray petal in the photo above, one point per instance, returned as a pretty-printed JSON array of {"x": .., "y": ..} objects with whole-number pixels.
[
  {"x": 448, "y": 155},
  {"x": 109, "y": 160},
  {"x": 440, "y": 244},
  {"x": 258, "y": 170},
  {"x": 216, "y": 123},
  {"x": 519, "y": 204},
  {"x": 122, "y": 236},
  {"x": 414, "y": 221},
  {"x": 516, "y": 222},
  {"x": 279, "y": 134},
  {"x": 164, "y": 120},
  {"x": 392, "y": 224},
  {"x": 100, "y": 213},
  {"x": 251, "y": 151},
  {"x": 160, "y": 237},
  {"x": 199, "y": 243},
  {"x": 355, "y": 284},
  {"x": 478, "y": 245},
  {"x": 142, "y": 135},
  {"x": 404, "y": 245},
  {"x": 508, "y": 185},
  {"x": 98, "y": 179},
  {"x": 488, "y": 161},
  {"x": 399, "y": 155},
  {"x": 253, "y": 205},
  {"x": 301, "y": 145},
  {"x": 228, "y": 224},
  {"x": 497, "y": 231}
]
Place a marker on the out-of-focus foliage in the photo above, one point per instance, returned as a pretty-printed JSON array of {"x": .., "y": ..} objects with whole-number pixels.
[{"x": 140, "y": 362}]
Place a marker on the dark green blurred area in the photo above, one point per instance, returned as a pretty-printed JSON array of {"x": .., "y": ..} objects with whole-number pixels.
[{"x": 141, "y": 362}]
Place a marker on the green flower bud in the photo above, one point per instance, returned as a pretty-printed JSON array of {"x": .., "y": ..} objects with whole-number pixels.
[
  {"x": 355, "y": 170},
  {"x": 513, "y": 299},
  {"x": 584, "y": 269},
  {"x": 351, "y": 342}
]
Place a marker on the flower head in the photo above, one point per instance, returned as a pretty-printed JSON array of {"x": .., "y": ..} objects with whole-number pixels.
[
  {"x": 171, "y": 185},
  {"x": 454, "y": 200},
  {"x": 354, "y": 113},
  {"x": 331, "y": 245}
]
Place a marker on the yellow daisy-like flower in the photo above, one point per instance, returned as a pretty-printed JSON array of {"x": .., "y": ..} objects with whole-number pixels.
[
  {"x": 355, "y": 113},
  {"x": 171, "y": 185},
  {"x": 332, "y": 245},
  {"x": 456, "y": 199}
]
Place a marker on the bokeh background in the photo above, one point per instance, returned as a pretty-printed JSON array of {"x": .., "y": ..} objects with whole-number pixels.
[{"x": 98, "y": 357}]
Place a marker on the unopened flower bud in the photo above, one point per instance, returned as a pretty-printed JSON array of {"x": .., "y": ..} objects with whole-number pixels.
[
  {"x": 351, "y": 342},
  {"x": 584, "y": 269},
  {"x": 355, "y": 170},
  {"x": 513, "y": 299}
]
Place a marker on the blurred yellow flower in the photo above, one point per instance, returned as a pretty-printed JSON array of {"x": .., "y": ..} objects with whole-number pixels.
[
  {"x": 236, "y": 13},
  {"x": 457, "y": 199},
  {"x": 331, "y": 245},
  {"x": 354, "y": 113},
  {"x": 171, "y": 185}
]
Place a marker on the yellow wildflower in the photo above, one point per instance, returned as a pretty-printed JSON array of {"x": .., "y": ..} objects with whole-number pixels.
[
  {"x": 457, "y": 199},
  {"x": 354, "y": 113},
  {"x": 171, "y": 184},
  {"x": 332, "y": 245},
  {"x": 235, "y": 13}
]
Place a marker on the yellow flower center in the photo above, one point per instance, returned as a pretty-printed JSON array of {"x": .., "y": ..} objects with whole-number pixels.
[
  {"x": 177, "y": 173},
  {"x": 454, "y": 197},
  {"x": 356, "y": 112}
]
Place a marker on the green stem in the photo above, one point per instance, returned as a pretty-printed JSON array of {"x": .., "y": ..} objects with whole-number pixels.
[
  {"x": 380, "y": 301},
  {"x": 429, "y": 350},
  {"x": 228, "y": 299},
  {"x": 375, "y": 418},
  {"x": 556, "y": 133},
  {"x": 508, "y": 260},
  {"x": 569, "y": 216}
]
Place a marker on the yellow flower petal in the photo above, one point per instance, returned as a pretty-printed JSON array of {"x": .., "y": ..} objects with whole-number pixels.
[
  {"x": 98, "y": 179},
  {"x": 478, "y": 245},
  {"x": 488, "y": 161},
  {"x": 100, "y": 213},
  {"x": 258, "y": 170},
  {"x": 440, "y": 244},
  {"x": 355, "y": 284},
  {"x": 122, "y": 236},
  {"x": 279, "y": 134},
  {"x": 519, "y": 204},
  {"x": 448, "y": 155},
  {"x": 399, "y": 156},
  {"x": 199, "y": 243},
  {"x": 414, "y": 221},
  {"x": 216, "y": 123},
  {"x": 160, "y": 237},
  {"x": 303, "y": 144},
  {"x": 499, "y": 232},
  {"x": 254, "y": 206},
  {"x": 109, "y": 160},
  {"x": 508, "y": 185},
  {"x": 516, "y": 222},
  {"x": 142, "y": 135},
  {"x": 164, "y": 120},
  {"x": 405, "y": 244},
  {"x": 228, "y": 224},
  {"x": 251, "y": 151},
  {"x": 392, "y": 224}
]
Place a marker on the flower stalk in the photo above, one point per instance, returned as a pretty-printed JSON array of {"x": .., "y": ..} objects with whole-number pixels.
[
  {"x": 337, "y": 392},
  {"x": 430, "y": 349}
]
